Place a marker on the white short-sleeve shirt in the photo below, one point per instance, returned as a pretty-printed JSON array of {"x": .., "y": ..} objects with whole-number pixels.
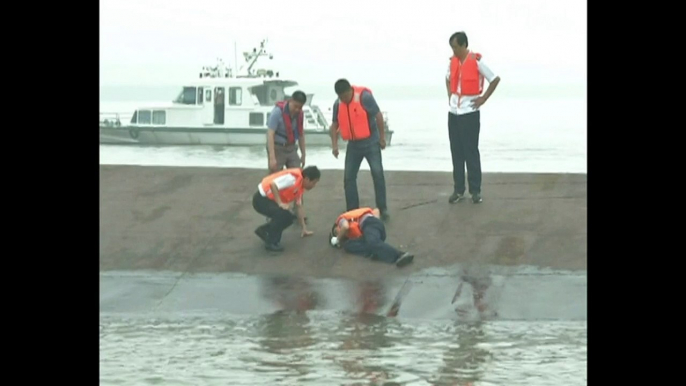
[{"x": 465, "y": 105}]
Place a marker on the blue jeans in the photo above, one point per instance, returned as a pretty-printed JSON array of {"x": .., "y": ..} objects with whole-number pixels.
[
  {"x": 373, "y": 243},
  {"x": 353, "y": 159}
]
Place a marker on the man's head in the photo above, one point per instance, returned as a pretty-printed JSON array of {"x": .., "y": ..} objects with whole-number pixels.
[
  {"x": 459, "y": 43},
  {"x": 344, "y": 90},
  {"x": 311, "y": 176},
  {"x": 333, "y": 236},
  {"x": 297, "y": 101},
  {"x": 335, "y": 229}
]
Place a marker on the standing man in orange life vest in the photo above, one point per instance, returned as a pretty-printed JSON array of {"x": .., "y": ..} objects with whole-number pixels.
[
  {"x": 360, "y": 231},
  {"x": 358, "y": 119},
  {"x": 464, "y": 83},
  {"x": 273, "y": 198}
]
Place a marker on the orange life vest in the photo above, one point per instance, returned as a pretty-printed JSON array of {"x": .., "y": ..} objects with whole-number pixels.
[
  {"x": 288, "y": 194},
  {"x": 290, "y": 137},
  {"x": 353, "y": 122},
  {"x": 467, "y": 74},
  {"x": 353, "y": 217}
]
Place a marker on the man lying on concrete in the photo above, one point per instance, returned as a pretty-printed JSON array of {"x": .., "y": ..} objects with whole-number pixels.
[
  {"x": 360, "y": 231},
  {"x": 273, "y": 199}
]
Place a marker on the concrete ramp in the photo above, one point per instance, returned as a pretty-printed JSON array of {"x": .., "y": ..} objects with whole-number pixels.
[
  {"x": 181, "y": 239},
  {"x": 202, "y": 220}
]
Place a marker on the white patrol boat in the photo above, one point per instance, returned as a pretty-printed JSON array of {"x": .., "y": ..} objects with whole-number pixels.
[{"x": 219, "y": 108}]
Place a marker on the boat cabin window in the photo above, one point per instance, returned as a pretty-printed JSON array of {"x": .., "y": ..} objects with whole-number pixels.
[
  {"x": 256, "y": 119},
  {"x": 144, "y": 117},
  {"x": 187, "y": 96},
  {"x": 268, "y": 94},
  {"x": 208, "y": 95},
  {"x": 235, "y": 96},
  {"x": 159, "y": 117},
  {"x": 147, "y": 117}
]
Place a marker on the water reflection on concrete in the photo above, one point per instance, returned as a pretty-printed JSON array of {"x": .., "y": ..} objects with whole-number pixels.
[
  {"x": 291, "y": 293},
  {"x": 482, "y": 297},
  {"x": 466, "y": 293}
]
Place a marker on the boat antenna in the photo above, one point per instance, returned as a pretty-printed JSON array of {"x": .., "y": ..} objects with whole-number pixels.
[{"x": 235, "y": 55}]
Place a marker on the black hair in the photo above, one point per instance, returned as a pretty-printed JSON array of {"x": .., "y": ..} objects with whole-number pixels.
[
  {"x": 461, "y": 39},
  {"x": 299, "y": 96},
  {"x": 341, "y": 86},
  {"x": 312, "y": 173}
]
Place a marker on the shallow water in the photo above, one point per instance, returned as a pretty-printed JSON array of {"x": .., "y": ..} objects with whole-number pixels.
[
  {"x": 320, "y": 348},
  {"x": 190, "y": 329}
]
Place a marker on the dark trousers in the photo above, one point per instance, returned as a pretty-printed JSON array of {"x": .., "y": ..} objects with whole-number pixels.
[
  {"x": 280, "y": 218},
  {"x": 463, "y": 131},
  {"x": 373, "y": 242},
  {"x": 353, "y": 159}
]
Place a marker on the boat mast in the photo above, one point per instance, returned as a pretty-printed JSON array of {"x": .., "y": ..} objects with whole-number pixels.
[{"x": 252, "y": 57}]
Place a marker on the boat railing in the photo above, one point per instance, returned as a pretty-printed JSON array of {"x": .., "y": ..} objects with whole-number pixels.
[
  {"x": 321, "y": 118},
  {"x": 111, "y": 119}
]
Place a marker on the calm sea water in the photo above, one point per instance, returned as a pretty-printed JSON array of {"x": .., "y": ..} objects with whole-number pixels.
[
  {"x": 320, "y": 348},
  {"x": 542, "y": 130}
]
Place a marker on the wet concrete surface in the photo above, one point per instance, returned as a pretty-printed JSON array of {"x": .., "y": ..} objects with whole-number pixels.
[
  {"x": 508, "y": 296},
  {"x": 202, "y": 220}
]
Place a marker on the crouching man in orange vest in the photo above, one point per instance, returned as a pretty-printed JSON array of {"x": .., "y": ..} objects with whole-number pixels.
[
  {"x": 360, "y": 231},
  {"x": 273, "y": 198}
]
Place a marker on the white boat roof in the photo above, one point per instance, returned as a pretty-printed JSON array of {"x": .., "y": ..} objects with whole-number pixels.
[{"x": 246, "y": 82}]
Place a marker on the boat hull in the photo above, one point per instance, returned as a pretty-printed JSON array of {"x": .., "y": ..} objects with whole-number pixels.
[{"x": 130, "y": 135}]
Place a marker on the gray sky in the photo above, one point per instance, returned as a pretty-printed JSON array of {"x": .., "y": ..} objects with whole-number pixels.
[{"x": 150, "y": 42}]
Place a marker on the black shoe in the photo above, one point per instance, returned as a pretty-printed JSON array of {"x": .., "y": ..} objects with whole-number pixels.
[
  {"x": 275, "y": 247},
  {"x": 405, "y": 259},
  {"x": 476, "y": 198},
  {"x": 455, "y": 197},
  {"x": 385, "y": 216},
  {"x": 261, "y": 232}
]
